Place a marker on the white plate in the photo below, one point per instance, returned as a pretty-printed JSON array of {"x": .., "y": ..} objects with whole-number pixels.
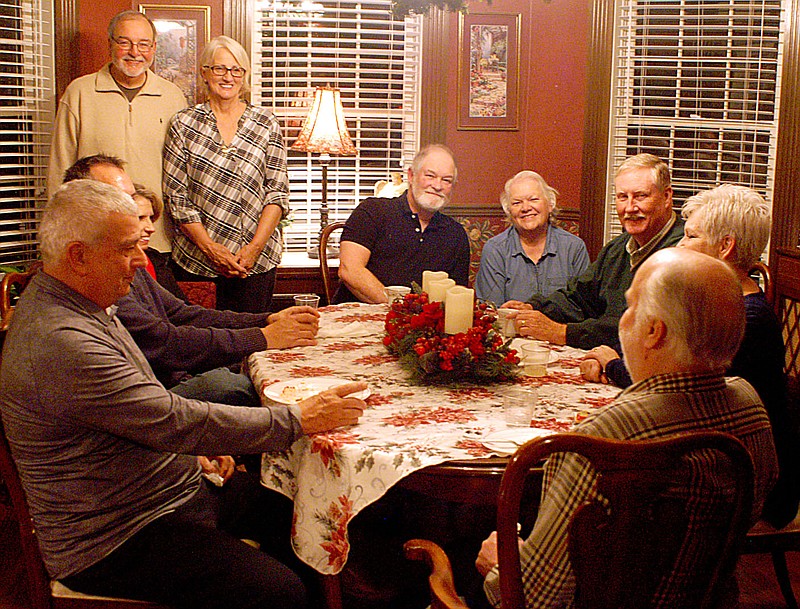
[
  {"x": 296, "y": 390},
  {"x": 507, "y": 442}
]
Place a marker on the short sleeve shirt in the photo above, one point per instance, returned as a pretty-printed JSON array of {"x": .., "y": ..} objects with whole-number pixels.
[{"x": 399, "y": 249}]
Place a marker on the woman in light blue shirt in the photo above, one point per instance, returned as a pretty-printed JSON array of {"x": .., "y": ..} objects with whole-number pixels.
[{"x": 531, "y": 256}]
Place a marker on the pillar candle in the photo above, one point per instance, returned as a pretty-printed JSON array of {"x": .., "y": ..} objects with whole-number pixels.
[
  {"x": 458, "y": 310},
  {"x": 428, "y": 276},
  {"x": 437, "y": 290}
]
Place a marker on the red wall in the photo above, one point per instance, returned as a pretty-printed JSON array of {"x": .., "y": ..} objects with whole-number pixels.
[
  {"x": 553, "y": 55},
  {"x": 93, "y": 18}
]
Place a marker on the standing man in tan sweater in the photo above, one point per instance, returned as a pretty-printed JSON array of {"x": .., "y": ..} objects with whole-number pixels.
[{"x": 122, "y": 110}]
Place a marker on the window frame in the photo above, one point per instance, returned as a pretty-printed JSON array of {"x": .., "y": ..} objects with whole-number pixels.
[{"x": 287, "y": 93}]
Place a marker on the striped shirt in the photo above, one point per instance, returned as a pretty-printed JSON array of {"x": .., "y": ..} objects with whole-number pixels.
[
  {"x": 225, "y": 188},
  {"x": 656, "y": 407}
]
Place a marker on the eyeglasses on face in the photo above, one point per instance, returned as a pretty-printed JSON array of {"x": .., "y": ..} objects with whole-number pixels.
[
  {"x": 236, "y": 71},
  {"x": 144, "y": 46}
]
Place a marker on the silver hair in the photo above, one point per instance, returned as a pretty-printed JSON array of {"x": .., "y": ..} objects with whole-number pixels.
[
  {"x": 659, "y": 169},
  {"x": 703, "y": 311},
  {"x": 420, "y": 157},
  {"x": 239, "y": 54},
  {"x": 77, "y": 212},
  {"x": 550, "y": 193},
  {"x": 734, "y": 211},
  {"x": 128, "y": 16}
]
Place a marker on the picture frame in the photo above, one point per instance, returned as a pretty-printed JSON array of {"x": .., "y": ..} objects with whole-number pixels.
[
  {"x": 488, "y": 71},
  {"x": 182, "y": 32}
]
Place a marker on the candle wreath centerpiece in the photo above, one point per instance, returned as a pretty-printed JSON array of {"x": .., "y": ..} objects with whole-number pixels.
[{"x": 415, "y": 332}]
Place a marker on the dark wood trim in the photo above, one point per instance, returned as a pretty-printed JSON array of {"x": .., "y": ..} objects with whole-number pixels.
[
  {"x": 786, "y": 198},
  {"x": 435, "y": 61},
  {"x": 596, "y": 127},
  {"x": 237, "y": 21},
  {"x": 66, "y": 41}
]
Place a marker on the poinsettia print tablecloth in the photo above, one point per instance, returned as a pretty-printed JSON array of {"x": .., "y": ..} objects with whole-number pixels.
[{"x": 332, "y": 476}]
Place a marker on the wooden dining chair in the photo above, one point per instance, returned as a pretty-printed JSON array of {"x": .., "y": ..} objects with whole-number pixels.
[
  {"x": 763, "y": 538},
  {"x": 619, "y": 553},
  {"x": 327, "y": 276},
  {"x": 45, "y": 593},
  {"x": 11, "y": 287}
]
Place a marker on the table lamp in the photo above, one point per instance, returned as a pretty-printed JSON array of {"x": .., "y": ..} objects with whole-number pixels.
[{"x": 324, "y": 131}]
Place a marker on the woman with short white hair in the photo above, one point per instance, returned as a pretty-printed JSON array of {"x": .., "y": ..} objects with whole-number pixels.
[{"x": 532, "y": 256}]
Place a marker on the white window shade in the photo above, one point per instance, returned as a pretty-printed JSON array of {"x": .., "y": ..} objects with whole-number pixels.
[
  {"x": 697, "y": 83},
  {"x": 374, "y": 60},
  {"x": 26, "y": 114}
]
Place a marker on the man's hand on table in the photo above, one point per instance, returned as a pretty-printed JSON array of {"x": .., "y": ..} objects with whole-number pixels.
[
  {"x": 537, "y": 325},
  {"x": 331, "y": 408},
  {"x": 292, "y": 327},
  {"x": 594, "y": 364}
]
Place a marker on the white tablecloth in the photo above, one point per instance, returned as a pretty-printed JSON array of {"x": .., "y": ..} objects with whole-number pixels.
[{"x": 332, "y": 476}]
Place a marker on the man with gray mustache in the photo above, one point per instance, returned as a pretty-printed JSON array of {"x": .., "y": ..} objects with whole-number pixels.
[{"x": 586, "y": 313}]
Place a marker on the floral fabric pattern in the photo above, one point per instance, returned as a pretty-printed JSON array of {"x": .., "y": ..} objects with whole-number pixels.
[{"x": 332, "y": 476}]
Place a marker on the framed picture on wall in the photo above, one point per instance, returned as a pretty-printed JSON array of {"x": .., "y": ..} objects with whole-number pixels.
[
  {"x": 488, "y": 71},
  {"x": 182, "y": 32}
]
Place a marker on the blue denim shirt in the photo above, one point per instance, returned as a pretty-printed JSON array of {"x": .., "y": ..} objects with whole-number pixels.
[{"x": 506, "y": 273}]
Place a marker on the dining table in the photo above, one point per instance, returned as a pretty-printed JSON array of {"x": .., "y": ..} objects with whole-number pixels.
[{"x": 408, "y": 432}]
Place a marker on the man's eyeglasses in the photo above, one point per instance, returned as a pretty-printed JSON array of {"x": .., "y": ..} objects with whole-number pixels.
[
  {"x": 144, "y": 46},
  {"x": 236, "y": 71}
]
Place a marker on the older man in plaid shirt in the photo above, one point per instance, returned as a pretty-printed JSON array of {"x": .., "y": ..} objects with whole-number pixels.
[{"x": 683, "y": 325}]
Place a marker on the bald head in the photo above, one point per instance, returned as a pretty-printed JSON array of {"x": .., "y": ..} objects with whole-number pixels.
[{"x": 685, "y": 314}]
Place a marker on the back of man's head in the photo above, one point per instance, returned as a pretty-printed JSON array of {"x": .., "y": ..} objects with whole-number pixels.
[
  {"x": 700, "y": 301},
  {"x": 78, "y": 212},
  {"x": 82, "y": 168}
]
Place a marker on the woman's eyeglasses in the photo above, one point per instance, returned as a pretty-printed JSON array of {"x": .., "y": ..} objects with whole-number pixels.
[{"x": 236, "y": 71}]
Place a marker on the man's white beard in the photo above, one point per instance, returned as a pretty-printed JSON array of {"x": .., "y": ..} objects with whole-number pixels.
[{"x": 429, "y": 202}]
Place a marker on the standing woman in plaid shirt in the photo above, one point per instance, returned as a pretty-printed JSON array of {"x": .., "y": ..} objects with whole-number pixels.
[{"x": 225, "y": 185}]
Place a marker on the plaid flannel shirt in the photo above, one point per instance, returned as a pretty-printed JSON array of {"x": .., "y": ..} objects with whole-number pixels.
[
  {"x": 225, "y": 188},
  {"x": 656, "y": 407}
]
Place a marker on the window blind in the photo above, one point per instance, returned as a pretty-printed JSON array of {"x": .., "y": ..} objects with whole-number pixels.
[
  {"x": 374, "y": 60},
  {"x": 26, "y": 115},
  {"x": 697, "y": 83}
]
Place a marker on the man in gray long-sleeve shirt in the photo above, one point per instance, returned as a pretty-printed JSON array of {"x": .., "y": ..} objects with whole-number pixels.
[
  {"x": 105, "y": 452},
  {"x": 189, "y": 346}
]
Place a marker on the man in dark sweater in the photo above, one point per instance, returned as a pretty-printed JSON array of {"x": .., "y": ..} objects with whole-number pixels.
[
  {"x": 586, "y": 313},
  {"x": 189, "y": 347}
]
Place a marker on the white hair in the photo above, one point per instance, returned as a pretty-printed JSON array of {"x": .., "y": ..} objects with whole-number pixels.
[
  {"x": 550, "y": 194},
  {"x": 703, "y": 309},
  {"x": 734, "y": 211},
  {"x": 78, "y": 212}
]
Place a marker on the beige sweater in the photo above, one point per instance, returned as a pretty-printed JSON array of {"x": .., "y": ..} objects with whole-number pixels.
[{"x": 94, "y": 116}]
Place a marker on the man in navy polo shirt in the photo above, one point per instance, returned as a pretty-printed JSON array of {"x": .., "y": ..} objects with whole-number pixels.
[{"x": 391, "y": 241}]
